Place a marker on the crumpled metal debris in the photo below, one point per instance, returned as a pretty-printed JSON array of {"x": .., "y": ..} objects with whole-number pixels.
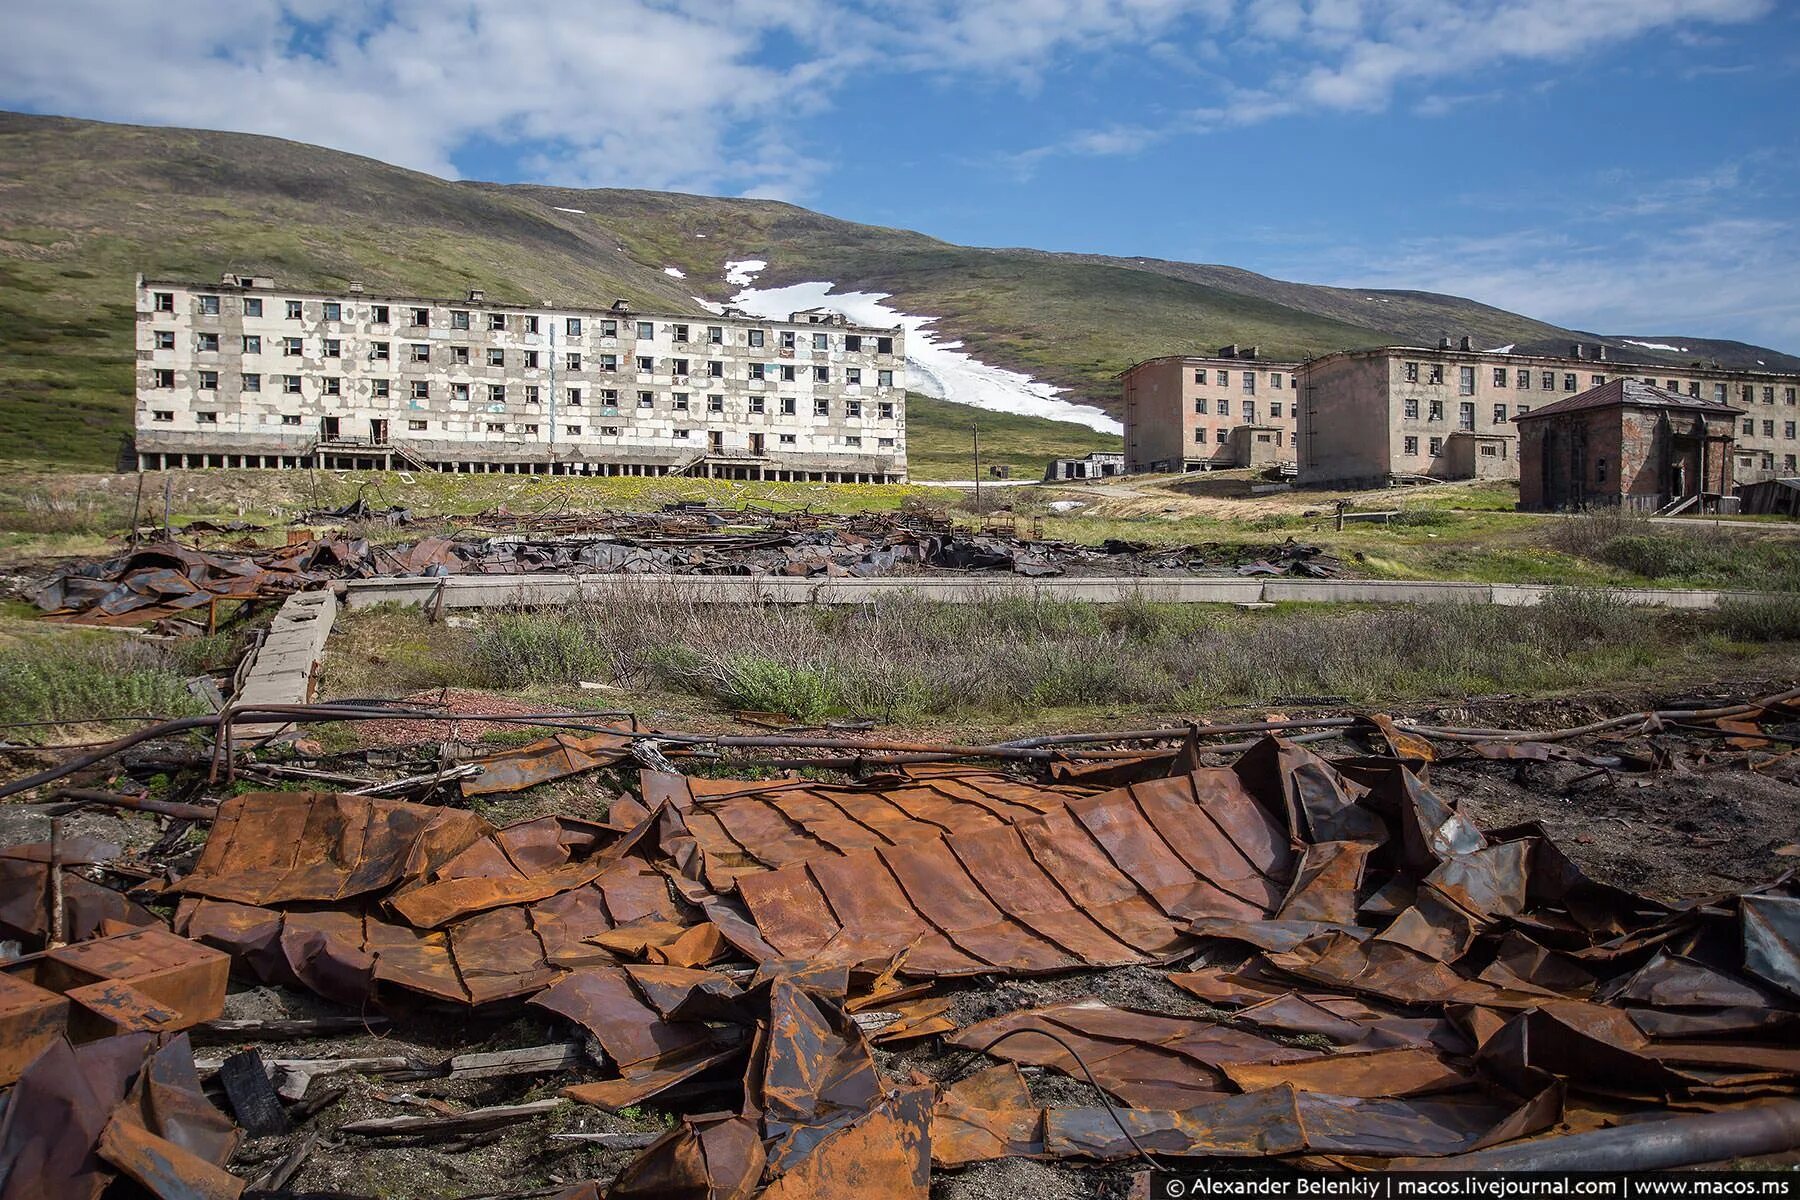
[
  {"x": 165, "y": 579},
  {"x": 81, "y": 1115}
]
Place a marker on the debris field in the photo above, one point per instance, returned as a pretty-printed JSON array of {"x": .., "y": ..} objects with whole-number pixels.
[
  {"x": 162, "y": 578},
  {"x": 1282, "y": 943}
]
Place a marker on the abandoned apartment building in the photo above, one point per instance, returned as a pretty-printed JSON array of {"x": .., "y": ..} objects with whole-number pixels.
[
  {"x": 1372, "y": 417},
  {"x": 1629, "y": 444},
  {"x": 1193, "y": 413},
  {"x": 247, "y": 374}
]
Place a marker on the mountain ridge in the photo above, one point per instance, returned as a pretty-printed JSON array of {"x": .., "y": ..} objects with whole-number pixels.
[{"x": 84, "y": 205}]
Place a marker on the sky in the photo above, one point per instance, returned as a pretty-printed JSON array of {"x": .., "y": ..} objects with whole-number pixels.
[{"x": 1619, "y": 166}]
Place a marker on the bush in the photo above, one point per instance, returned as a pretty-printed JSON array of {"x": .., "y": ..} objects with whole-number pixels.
[
  {"x": 1763, "y": 619},
  {"x": 71, "y": 677},
  {"x": 517, "y": 649},
  {"x": 764, "y": 685},
  {"x": 1654, "y": 556}
]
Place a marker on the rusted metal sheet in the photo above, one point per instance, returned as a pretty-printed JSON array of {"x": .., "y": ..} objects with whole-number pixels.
[
  {"x": 886, "y": 1152},
  {"x": 988, "y": 1115},
  {"x": 558, "y": 757},
  {"x": 162, "y": 1168},
  {"x": 1100, "y": 880},
  {"x": 714, "y": 1156}
]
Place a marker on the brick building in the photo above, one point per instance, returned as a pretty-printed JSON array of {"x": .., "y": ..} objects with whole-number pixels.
[
  {"x": 1193, "y": 412},
  {"x": 1627, "y": 443}
]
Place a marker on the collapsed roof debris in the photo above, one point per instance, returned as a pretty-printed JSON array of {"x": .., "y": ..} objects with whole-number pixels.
[
  {"x": 1376, "y": 978},
  {"x": 165, "y": 579}
]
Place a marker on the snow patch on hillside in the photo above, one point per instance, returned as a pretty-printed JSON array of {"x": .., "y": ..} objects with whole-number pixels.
[
  {"x": 675, "y": 272},
  {"x": 938, "y": 369},
  {"x": 741, "y": 272},
  {"x": 1506, "y": 349},
  {"x": 1655, "y": 346},
  {"x": 560, "y": 208},
  {"x": 710, "y": 306}
]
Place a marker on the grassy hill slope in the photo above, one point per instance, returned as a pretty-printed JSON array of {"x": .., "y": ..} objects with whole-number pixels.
[
  {"x": 85, "y": 205},
  {"x": 940, "y": 440}
]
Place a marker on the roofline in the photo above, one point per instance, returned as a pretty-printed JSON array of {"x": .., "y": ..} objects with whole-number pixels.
[
  {"x": 145, "y": 281},
  {"x": 1619, "y": 366},
  {"x": 1285, "y": 364},
  {"x": 1693, "y": 405}
]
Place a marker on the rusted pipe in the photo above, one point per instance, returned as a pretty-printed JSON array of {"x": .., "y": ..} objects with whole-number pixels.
[
  {"x": 167, "y": 808},
  {"x": 1739, "y": 1132}
]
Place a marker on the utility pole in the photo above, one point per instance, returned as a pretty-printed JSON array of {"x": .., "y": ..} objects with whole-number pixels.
[{"x": 975, "y": 431}]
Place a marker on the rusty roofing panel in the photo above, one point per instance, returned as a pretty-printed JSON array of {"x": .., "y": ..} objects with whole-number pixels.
[{"x": 1098, "y": 880}]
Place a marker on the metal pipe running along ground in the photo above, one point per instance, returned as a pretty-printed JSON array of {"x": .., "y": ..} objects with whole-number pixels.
[
  {"x": 1740, "y": 1132},
  {"x": 1024, "y": 749}
]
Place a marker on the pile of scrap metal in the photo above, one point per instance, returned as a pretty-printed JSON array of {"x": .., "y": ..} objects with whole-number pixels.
[
  {"x": 1382, "y": 982},
  {"x": 164, "y": 579}
]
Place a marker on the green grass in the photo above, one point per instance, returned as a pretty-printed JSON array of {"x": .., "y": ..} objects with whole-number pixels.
[
  {"x": 60, "y": 674},
  {"x": 905, "y": 660},
  {"x": 940, "y": 440}
]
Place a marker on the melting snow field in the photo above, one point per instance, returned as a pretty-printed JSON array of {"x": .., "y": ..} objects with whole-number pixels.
[
  {"x": 560, "y": 208},
  {"x": 675, "y": 272},
  {"x": 1655, "y": 345},
  {"x": 937, "y": 369}
]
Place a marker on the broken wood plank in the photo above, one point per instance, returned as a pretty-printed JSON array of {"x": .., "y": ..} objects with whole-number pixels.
[
  {"x": 278, "y": 1029},
  {"x": 610, "y": 1141},
  {"x": 473, "y": 1121},
  {"x": 252, "y": 1098},
  {"x": 557, "y": 1056}
]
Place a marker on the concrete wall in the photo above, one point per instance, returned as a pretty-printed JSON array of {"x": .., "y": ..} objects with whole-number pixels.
[
  {"x": 475, "y": 381},
  {"x": 1345, "y": 429}
]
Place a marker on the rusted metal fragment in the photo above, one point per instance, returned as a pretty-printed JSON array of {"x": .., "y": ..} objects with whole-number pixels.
[
  {"x": 648, "y": 1082},
  {"x": 1407, "y": 1071},
  {"x": 1771, "y": 927},
  {"x": 920, "y": 1019},
  {"x": 31, "y": 1018},
  {"x": 56, "y": 1113},
  {"x": 885, "y": 1152},
  {"x": 284, "y": 847},
  {"x": 988, "y": 1115},
  {"x": 1145, "y": 1059},
  {"x": 1326, "y": 886},
  {"x": 1283, "y": 1121},
  {"x": 1674, "y": 981},
  {"x": 603, "y": 1001},
  {"x": 25, "y": 898},
  {"x": 553, "y": 758},
  {"x": 811, "y": 1074},
  {"x": 714, "y": 1156},
  {"x": 162, "y": 1168},
  {"x": 1095, "y": 881}
]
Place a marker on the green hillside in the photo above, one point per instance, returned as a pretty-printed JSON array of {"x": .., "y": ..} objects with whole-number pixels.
[
  {"x": 940, "y": 440},
  {"x": 86, "y": 205}
]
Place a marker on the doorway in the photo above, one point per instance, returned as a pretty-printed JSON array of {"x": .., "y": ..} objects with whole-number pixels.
[
  {"x": 378, "y": 432},
  {"x": 331, "y": 429}
]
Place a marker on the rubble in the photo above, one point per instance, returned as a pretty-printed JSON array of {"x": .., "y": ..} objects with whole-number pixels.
[
  {"x": 804, "y": 969},
  {"x": 165, "y": 580}
]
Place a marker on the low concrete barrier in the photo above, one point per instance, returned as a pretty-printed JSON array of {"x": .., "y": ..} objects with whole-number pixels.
[
  {"x": 283, "y": 669},
  {"x": 493, "y": 591}
]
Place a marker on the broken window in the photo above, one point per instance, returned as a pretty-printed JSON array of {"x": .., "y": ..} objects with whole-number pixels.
[
  {"x": 1500, "y": 377},
  {"x": 821, "y": 341},
  {"x": 531, "y": 360},
  {"x": 1411, "y": 445},
  {"x": 572, "y": 360},
  {"x": 163, "y": 414},
  {"x": 609, "y": 362},
  {"x": 1200, "y": 436},
  {"x": 1569, "y": 382},
  {"x": 681, "y": 401},
  {"x": 163, "y": 301},
  {"x": 1437, "y": 373},
  {"x": 609, "y": 328},
  {"x": 334, "y": 311},
  {"x": 1465, "y": 415},
  {"x": 853, "y": 342},
  {"x": 290, "y": 346},
  {"x": 421, "y": 389},
  {"x": 334, "y": 348},
  {"x": 378, "y": 314},
  {"x": 853, "y": 408},
  {"x": 572, "y": 396},
  {"x": 531, "y": 393},
  {"x": 421, "y": 316},
  {"x": 1768, "y": 395},
  {"x": 715, "y": 368},
  {"x": 253, "y": 383},
  {"x": 496, "y": 427},
  {"x": 787, "y": 406},
  {"x": 1219, "y": 436},
  {"x": 572, "y": 326},
  {"x": 162, "y": 377},
  {"x": 884, "y": 345},
  {"x": 646, "y": 329},
  {"x": 333, "y": 386},
  {"x": 1768, "y": 426},
  {"x": 417, "y": 426},
  {"x": 1275, "y": 380},
  {"x": 1524, "y": 378},
  {"x": 253, "y": 306},
  {"x": 203, "y": 341},
  {"x": 207, "y": 418},
  {"x": 787, "y": 439},
  {"x": 290, "y": 385},
  {"x": 379, "y": 351},
  {"x": 496, "y": 321},
  {"x": 715, "y": 404},
  {"x": 715, "y": 334},
  {"x": 252, "y": 343},
  {"x": 853, "y": 376},
  {"x": 885, "y": 410},
  {"x": 821, "y": 374},
  {"x": 1523, "y": 409},
  {"x": 1596, "y": 380},
  {"x": 1465, "y": 381},
  {"x": 531, "y": 323},
  {"x": 1437, "y": 411},
  {"x": 459, "y": 356},
  {"x": 496, "y": 357},
  {"x": 1787, "y": 396},
  {"x": 678, "y": 366},
  {"x": 572, "y": 430},
  {"x": 459, "y": 392},
  {"x": 756, "y": 371},
  {"x": 496, "y": 393},
  {"x": 1249, "y": 410},
  {"x": 1412, "y": 372},
  {"x": 821, "y": 407},
  {"x": 381, "y": 389},
  {"x": 787, "y": 372},
  {"x": 1600, "y": 470},
  {"x": 787, "y": 339},
  {"x": 646, "y": 399},
  {"x": 1548, "y": 382},
  {"x": 757, "y": 337},
  {"x": 209, "y": 306},
  {"x": 1499, "y": 414},
  {"x": 853, "y": 440},
  {"x": 1274, "y": 410},
  {"x": 756, "y": 404},
  {"x": 680, "y": 332},
  {"x": 1437, "y": 446},
  {"x": 1409, "y": 408}
]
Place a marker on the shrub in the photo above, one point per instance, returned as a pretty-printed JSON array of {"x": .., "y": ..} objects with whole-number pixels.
[
  {"x": 1763, "y": 619},
  {"x": 62, "y": 679},
  {"x": 764, "y": 685},
  {"x": 517, "y": 649}
]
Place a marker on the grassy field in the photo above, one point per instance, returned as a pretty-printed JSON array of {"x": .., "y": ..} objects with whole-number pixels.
[
  {"x": 939, "y": 440},
  {"x": 921, "y": 664}
]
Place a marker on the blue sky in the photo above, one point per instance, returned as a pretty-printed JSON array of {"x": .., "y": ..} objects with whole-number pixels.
[{"x": 1626, "y": 166}]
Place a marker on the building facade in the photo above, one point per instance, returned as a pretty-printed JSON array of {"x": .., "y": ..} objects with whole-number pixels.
[
  {"x": 1629, "y": 444},
  {"x": 1100, "y": 464},
  {"x": 1370, "y": 417},
  {"x": 1192, "y": 413},
  {"x": 246, "y": 374}
]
